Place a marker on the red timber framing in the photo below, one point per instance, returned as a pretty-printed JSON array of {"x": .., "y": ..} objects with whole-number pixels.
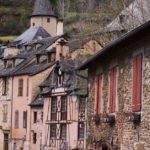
[
  {"x": 137, "y": 83},
  {"x": 98, "y": 93},
  {"x": 112, "y": 89}
]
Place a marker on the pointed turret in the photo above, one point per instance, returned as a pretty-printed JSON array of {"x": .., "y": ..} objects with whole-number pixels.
[
  {"x": 44, "y": 16},
  {"x": 43, "y": 8}
]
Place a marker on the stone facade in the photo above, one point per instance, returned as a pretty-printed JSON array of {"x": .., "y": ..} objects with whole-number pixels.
[
  {"x": 5, "y": 111},
  {"x": 123, "y": 134}
]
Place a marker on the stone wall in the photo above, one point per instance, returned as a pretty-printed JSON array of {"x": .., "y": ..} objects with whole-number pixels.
[{"x": 123, "y": 134}]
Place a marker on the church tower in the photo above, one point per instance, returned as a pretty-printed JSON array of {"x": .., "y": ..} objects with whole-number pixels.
[{"x": 44, "y": 16}]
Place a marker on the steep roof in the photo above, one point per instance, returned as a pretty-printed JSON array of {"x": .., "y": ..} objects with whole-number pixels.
[
  {"x": 38, "y": 102},
  {"x": 130, "y": 37},
  {"x": 43, "y": 8},
  {"x": 137, "y": 13},
  {"x": 33, "y": 33}
]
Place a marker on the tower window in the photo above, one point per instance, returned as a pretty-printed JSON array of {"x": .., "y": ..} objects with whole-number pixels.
[
  {"x": 48, "y": 20},
  {"x": 33, "y": 24}
]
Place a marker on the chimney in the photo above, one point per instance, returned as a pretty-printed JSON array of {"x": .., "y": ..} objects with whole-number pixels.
[
  {"x": 60, "y": 51},
  {"x": 60, "y": 27}
]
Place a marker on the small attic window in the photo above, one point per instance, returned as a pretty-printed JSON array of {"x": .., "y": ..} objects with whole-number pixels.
[
  {"x": 123, "y": 18},
  {"x": 48, "y": 20},
  {"x": 33, "y": 24}
]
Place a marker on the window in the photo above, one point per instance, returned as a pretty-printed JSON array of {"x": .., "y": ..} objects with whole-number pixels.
[
  {"x": 48, "y": 20},
  {"x": 5, "y": 86},
  {"x": 42, "y": 116},
  {"x": 54, "y": 108},
  {"x": 33, "y": 24},
  {"x": 24, "y": 119},
  {"x": 63, "y": 108},
  {"x": 20, "y": 87},
  {"x": 37, "y": 59},
  {"x": 16, "y": 119},
  {"x": 6, "y": 141},
  {"x": 34, "y": 117},
  {"x": 34, "y": 138},
  {"x": 49, "y": 57},
  {"x": 53, "y": 57},
  {"x": 27, "y": 87},
  {"x": 63, "y": 130},
  {"x": 98, "y": 93},
  {"x": 81, "y": 130},
  {"x": 82, "y": 105},
  {"x": 52, "y": 131},
  {"x": 5, "y": 112},
  {"x": 137, "y": 83},
  {"x": 112, "y": 90}
]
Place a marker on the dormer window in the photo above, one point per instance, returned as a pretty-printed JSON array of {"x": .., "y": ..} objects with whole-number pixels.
[
  {"x": 49, "y": 58},
  {"x": 123, "y": 18},
  {"x": 37, "y": 46},
  {"x": 53, "y": 57},
  {"x": 14, "y": 63},
  {"x": 37, "y": 59},
  {"x": 5, "y": 63},
  {"x": 28, "y": 47},
  {"x": 48, "y": 20}
]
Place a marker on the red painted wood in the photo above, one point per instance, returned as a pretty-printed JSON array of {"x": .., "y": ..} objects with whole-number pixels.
[
  {"x": 137, "y": 82},
  {"x": 113, "y": 88},
  {"x": 98, "y": 86}
]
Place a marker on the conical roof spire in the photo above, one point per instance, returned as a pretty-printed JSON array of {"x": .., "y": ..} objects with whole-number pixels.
[{"x": 43, "y": 8}]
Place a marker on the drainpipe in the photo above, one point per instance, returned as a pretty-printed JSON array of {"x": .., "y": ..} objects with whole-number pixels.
[{"x": 11, "y": 113}]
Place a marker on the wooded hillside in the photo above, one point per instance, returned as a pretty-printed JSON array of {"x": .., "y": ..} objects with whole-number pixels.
[{"x": 80, "y": 16}]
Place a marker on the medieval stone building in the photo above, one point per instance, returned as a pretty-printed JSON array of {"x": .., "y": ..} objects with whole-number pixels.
[{"x": 118, "y": 102}]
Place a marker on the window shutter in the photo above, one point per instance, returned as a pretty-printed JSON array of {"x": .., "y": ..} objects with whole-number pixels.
[
  {"x": 111, "y": 92},
  {"x": 113, "y": 81},
  {"x": 98, "y": 98},
  {"x": 16, "y": 119},
  {"x": 137, "y": 78},
  {"x": 114, "y": 88}
]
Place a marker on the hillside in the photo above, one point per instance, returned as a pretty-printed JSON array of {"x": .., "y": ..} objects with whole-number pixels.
[{"x": 81, "y": 17}]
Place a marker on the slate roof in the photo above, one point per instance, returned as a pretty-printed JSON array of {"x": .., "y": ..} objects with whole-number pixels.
[
  {"x": 74, "y": 44},
  {"x": 33, "y": 33},
  {"x": 29, "y": 55},
  {"x": 128, "y": 38},
  {"x": 34, "y": 68},
  {"x": 137, "y": 13},
  {"x": 43, "y": 8},
  {"x": 38, "y": 102},
  {"x": 71, "y": 80}
]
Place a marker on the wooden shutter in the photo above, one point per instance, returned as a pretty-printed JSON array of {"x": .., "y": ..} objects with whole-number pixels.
[
  {"x": 112, "y": 87},
  {"x": 20, "y": 87},
  {"x": 28, "y": 87},
  {"x": 16, "y": 119},
  {"x": 98, "y": 94},
  {"x": 137, "y": 82}
]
